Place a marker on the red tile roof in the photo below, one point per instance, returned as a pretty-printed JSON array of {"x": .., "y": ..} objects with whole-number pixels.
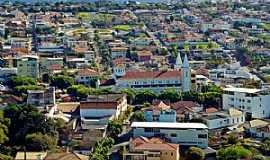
[
  {"x": 87, "y": 72},
  {"x": 183, "y": 106},
  {"x": 154, "y": 144},
  {"x": 151, "y": 75}
]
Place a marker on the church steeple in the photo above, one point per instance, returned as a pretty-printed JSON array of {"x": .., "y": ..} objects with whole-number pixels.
[
  {"x": 186, "y": 82},
  {"x": 186, "y": 62},
  {"x": 178, "y": 62}
]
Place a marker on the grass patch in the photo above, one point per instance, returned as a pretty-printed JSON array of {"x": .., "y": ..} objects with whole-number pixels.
[{"x": 123, "y": 27}]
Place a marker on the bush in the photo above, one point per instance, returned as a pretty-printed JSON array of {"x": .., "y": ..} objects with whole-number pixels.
[
  {"x": 40, "y": 142},
  {"x": 195, "y": 153},
  {"x": 234, "y": 152}
]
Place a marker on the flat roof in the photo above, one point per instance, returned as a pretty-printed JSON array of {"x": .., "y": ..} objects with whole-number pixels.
[
  {"x": 243, "y": 90},
  {"x": 168, "y": 125}
]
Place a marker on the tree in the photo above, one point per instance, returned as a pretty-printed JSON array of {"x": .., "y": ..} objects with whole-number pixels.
[
  {"x": 4, "y": 123},
  {"x": 102, "y": 149},
  {"x": 145, "y": 96},
  {"x": 115, "y": 128},
  {"x": 195, "y": 153},
  {"x": 232, "y": 139},
  {"x": 265, "y": 146},
  {"x": 40, "y": 142},
  {"x": 234, "y": 153},
  {"x": 25, "y": 120},
  {"x": 170, "y": 94},
  {"x": 62, "y": 81},
  {"x": 138, "y": 116},
  {"x": 21, "y": 80}
]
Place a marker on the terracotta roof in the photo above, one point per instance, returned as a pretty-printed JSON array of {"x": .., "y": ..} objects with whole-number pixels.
[
  {"x": 68, "y": 107},
  {"x": 98, "y": 105},
  {"x": 183, "y": 106},
  {"x": 264, "y": 129},
  {"x": 160, "y": 106},
  {"x": 151, "y": 75},
  {"x": 211, "y": 110},
  {"x": 66, "y": 156},
  {"x": 87, "y": 72},
  {"x": 154, "y": 144}
]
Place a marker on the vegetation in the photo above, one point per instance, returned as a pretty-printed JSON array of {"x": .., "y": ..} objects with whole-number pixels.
[
  {"x": 102, "y": 149},
  {"x": 195, "y": 153},
  {"x": 40, "y": 142},
  {"x": 234, "y": 152},
  {"x": 62, "y": 81}
]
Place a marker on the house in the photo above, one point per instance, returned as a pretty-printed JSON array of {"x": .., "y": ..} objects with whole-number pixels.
[
  {"x": 87, "y": 77},
  {"x": 232, "y": 117},
  {"x": 65, "y": 156},
  {"x": 252, "y": 101},
  {"x": 50, "y": 65},
  {"x": 186, "y": 110},
  {"x": 96, "y": 112},
  {"x": 186, "y": 134},
  {"x": 159, "y": 113},
  {"x": 144, "y": 56},
  {"x": 41, "y": 97},
  {"x": 118, "y": 52},
  {"x": 6, "y": 73},
  {"x": 30, "y": 155},
  {"x": 181, "y": 79},
  {"x": 152, "y": 148},
  {"x": 258, "y": 128},
  {"x": 28, "y": 65}
]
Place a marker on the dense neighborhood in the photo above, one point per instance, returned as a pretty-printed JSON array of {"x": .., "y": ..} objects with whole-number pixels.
[{"x": 104, "y": 80}]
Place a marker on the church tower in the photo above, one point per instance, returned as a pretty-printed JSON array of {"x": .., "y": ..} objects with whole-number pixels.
[
  {"x": 178, "y": 62},
  {"x": 186, "y": 82}
]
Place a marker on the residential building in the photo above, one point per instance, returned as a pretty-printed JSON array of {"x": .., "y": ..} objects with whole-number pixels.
[
  {"x": 41, "y": 97},
  {"x": 28, "y": 65},
  {"x": 50, "y": 65},
  {"x": 87, "y": 77},
  {"x": 118, "y": 52},
  {"x": 186, "y": 134},
  {"x": 159, "y": 113},
  {"x": 96, "y": 112},
  {"x": 232, "y": 117},
  {"x": 252, "y": 101},
  {"x": 258, "y": 128},
  {"x": 152, "y": 148}
]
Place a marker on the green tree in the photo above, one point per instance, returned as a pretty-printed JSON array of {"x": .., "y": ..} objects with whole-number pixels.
[
  {"x": 138, "y": 116},
  {"x": 40, "y": 142},
  {"x": 145, "y": 96},
  {"x": 195, "y": 153},
  {"x": 4, "y": 123},
  {"x": 234, "y": 153},
  {"x": 21, "y": 80},
  {"x": 62, "y": 81},
  {"x": 25, "y": 120},
  {"x": 170, "y": 94},
  {"x": 102, "y": 149},
  {"x": 232, "y": 139},
  {"x": 115, "y": 128}
]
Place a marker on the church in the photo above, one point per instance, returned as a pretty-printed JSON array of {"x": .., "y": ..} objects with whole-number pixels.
[{"x": 179, "y": 78}]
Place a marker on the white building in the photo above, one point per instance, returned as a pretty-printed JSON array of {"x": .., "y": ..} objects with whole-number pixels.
[
  {"x": 255, "y": 102},
  {"x": 179, "y": 79},
  {"x": 187, "y": 134},
  {"x": 232, "y": 117}
]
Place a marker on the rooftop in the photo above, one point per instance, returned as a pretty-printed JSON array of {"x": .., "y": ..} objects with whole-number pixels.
[
  {"x": 242, "y": 90},
  {"x": 168, "y": 125}
]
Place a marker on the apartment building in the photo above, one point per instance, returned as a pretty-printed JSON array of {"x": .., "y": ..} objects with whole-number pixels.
[{"x": 186, "y": 134}]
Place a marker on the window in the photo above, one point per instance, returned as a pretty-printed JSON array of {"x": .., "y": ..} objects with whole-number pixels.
[
  {"x": 202, "y": 135},
  {"x": 172, "y": 154},
  {"x": 148, "y": 130},
  {"x": 248, "y": 101},
  {"x": 173, "y": 135}
]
